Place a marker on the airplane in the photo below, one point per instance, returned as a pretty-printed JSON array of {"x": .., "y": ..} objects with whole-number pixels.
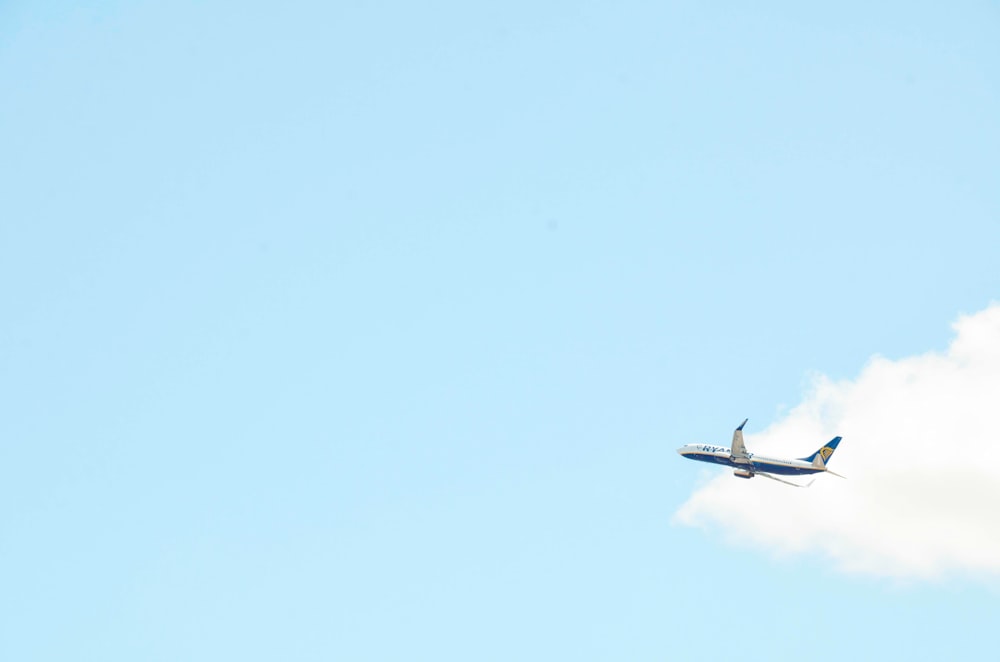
[{"x": 749, "y": 464}]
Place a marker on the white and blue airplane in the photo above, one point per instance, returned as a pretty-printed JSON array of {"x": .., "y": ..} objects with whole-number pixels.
[{"x": 749, "y": 464}]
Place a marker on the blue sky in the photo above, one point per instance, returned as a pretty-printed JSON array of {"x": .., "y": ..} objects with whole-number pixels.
[{"x": 367, "y": 331}]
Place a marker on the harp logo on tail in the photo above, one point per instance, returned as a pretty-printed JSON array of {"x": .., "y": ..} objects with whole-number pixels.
[{"x": 825, "y": 453}]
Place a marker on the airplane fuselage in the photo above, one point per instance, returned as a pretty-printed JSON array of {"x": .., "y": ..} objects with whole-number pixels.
[{"x": 753, "y": 463}]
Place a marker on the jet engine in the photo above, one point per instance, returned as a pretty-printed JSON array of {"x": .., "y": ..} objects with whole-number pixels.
[{"x": 743, "y": 473}]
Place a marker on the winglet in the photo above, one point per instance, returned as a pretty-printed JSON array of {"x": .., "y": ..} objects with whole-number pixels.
[{"x": 743, "y": 423}]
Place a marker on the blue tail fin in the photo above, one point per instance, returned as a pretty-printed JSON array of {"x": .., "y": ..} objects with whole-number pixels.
[{"x": 822, "y": 456}]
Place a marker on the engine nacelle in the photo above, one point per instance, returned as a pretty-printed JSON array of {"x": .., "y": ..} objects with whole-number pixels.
[{"x": 743, "y": 473}]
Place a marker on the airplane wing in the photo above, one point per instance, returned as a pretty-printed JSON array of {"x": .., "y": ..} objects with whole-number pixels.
[
  {"x": 739, "y": 450},
  {"x": 786, "y": 482}
]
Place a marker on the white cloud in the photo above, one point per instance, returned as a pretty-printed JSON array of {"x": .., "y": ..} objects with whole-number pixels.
[{"x": 921, "y": 451}]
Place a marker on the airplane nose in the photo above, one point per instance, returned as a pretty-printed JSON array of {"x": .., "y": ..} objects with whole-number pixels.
[{"x": 680, "y": 451}]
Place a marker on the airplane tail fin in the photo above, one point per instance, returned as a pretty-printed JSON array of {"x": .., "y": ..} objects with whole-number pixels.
[{"x": 822, "y": 456}]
